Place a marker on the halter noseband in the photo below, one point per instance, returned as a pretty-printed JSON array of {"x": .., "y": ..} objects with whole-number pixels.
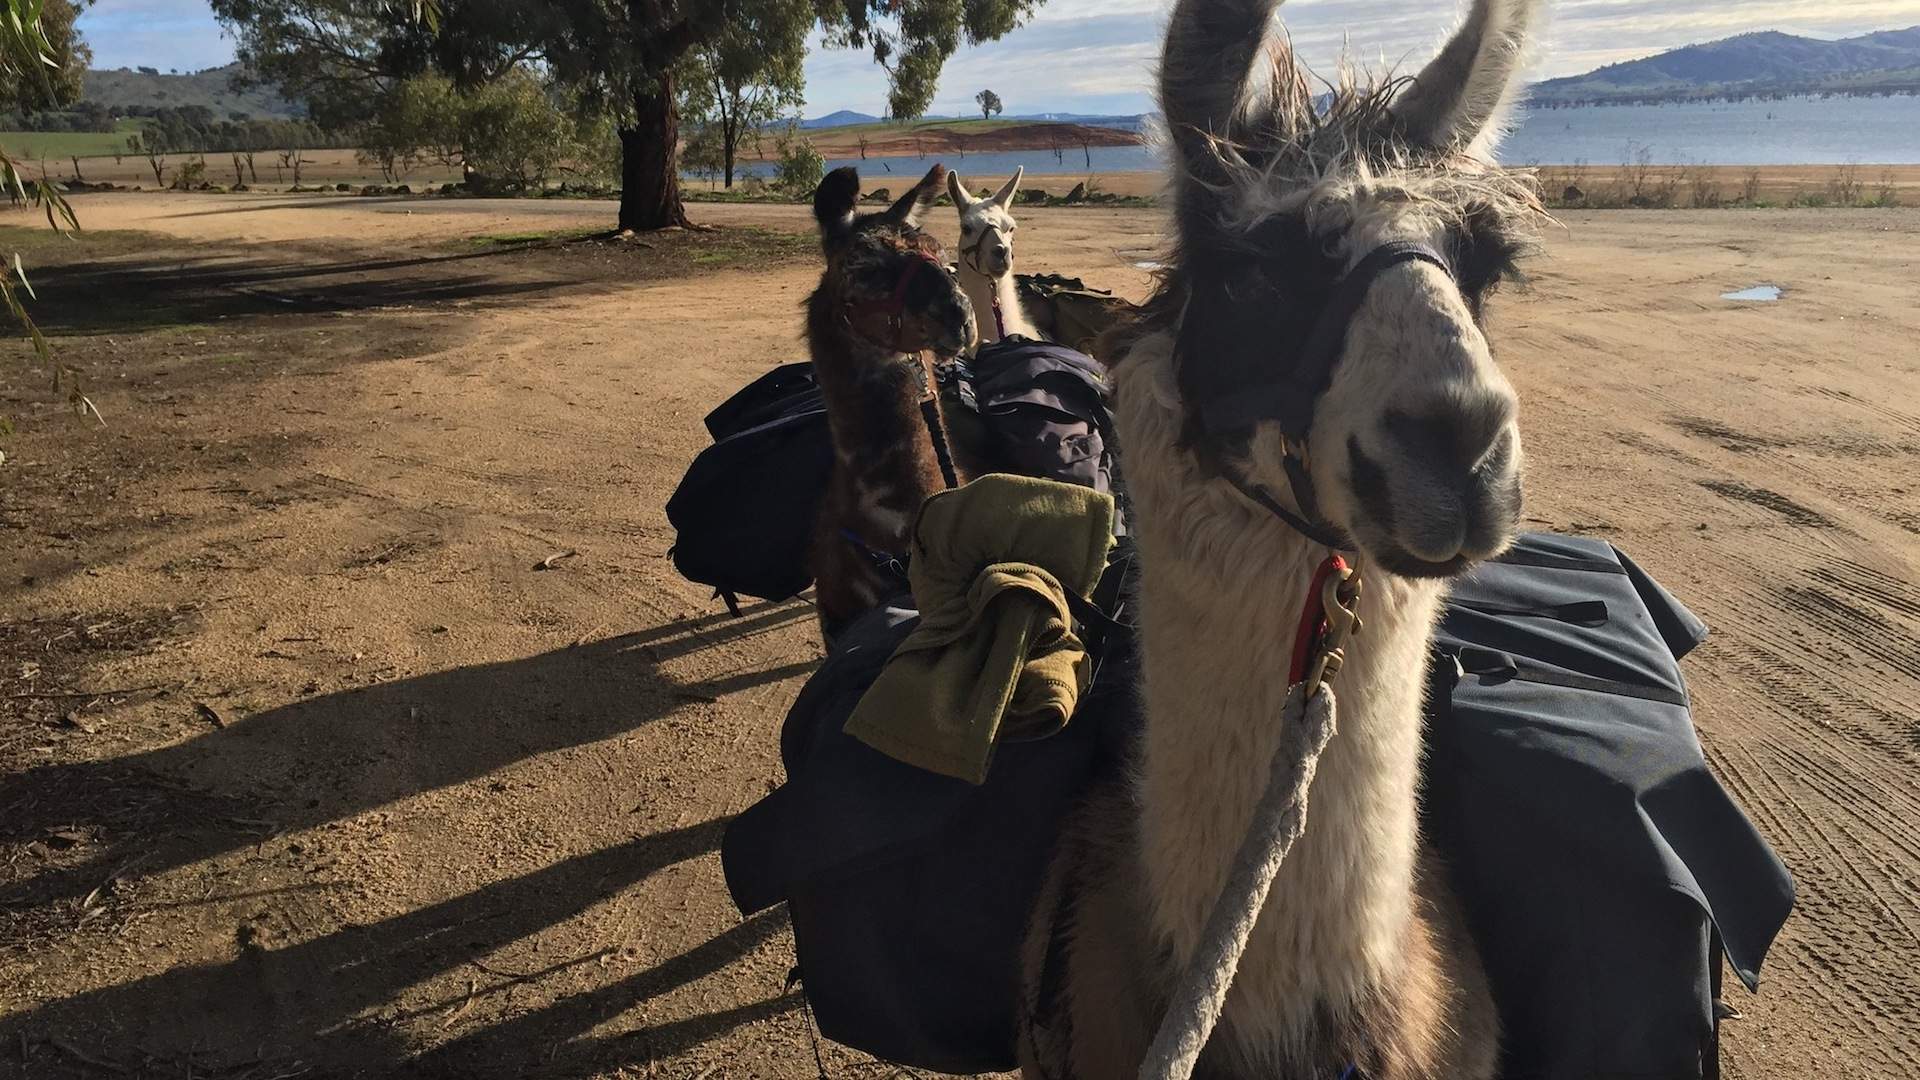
[
  {"x": 1289, "y": 395},
  {"x": 894, "y": 306}
]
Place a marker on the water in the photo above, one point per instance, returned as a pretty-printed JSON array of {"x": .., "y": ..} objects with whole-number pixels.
[
  {"x": 1794, "y": 131},
  {"x": 908, "y": 170},
  {"x": 1761, "y": 293}
]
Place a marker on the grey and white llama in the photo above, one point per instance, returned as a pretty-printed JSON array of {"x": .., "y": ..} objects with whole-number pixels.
[{"x": 1315, "y": 348}]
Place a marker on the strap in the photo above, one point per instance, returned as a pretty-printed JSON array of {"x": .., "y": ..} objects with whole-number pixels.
[
  {"x": 1587, "y": 613},
  {"x": 936, "y": 431},
  {"x": 1313, "y": 619},
  {"x": 1292, "y": 394},
  {"x": 1559, "y": 562},
  {"x": 1473, "y": 660},
  {"x": 1317, "y": 532}
]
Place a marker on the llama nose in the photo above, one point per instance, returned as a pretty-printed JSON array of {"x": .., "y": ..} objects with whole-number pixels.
[
  {"x": 1453, "y": 436},
  {"x": 1000, "y": 251}
]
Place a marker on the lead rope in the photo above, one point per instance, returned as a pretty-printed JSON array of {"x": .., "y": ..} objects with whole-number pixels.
[
  {"x": 971, "y": 256},
  {"x": 1279, "y": 819}
]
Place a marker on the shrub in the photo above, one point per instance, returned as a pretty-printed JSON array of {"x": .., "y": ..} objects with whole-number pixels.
[
  {"x": 1705, "y": 187},
  {"x": 1887, "y": 193},
  {"x": 190, "y": 176},
  {"x": 801, "y": 167},
  {"x": 1844, "y": 187}
]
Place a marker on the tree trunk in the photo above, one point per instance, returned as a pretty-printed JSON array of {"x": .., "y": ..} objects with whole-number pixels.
[{"x": 649, "y": 162}]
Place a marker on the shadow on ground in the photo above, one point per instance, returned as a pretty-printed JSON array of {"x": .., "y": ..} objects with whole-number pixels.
[
  {"x": 328, "y": 1002},
  {"x": 201, "y": 285},
  {"x": 319, "y": 1004},
  {"x": 336, "y": 756}
]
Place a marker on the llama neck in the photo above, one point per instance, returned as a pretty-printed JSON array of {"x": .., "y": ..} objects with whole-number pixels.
[
  {"x": 1222, "y": 587},
  {"x": 885, "y": 465},
  {"x": 983, "y": 292}
]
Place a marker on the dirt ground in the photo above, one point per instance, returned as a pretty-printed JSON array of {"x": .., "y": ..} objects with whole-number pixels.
[{"x": 353, "y": 722}]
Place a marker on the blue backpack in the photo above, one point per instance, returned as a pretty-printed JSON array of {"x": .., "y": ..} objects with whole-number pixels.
[{"x": 1603, "y": 868}]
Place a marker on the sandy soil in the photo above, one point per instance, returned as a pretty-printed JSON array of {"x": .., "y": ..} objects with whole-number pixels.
[{"x": 309, "y": 769}]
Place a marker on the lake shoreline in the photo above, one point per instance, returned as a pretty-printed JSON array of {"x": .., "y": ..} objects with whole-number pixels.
[{"x": 1775, "y": 185}]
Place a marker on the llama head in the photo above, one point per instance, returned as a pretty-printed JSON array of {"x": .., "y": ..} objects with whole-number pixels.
[
  {"x": 889, "y": 278},
  {"x": 986, "y": 225},
  {"x": 1402, "y": 427}
]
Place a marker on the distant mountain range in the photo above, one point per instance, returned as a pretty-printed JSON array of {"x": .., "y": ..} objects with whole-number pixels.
[
  {"x": 211, "y": 88},
  {"x": 1760, "y": 64}
]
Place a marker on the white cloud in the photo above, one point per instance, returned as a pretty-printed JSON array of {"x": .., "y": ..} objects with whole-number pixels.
[
  {"x": 1097, "y": 55},
  {"x": 165, "y": 34}
]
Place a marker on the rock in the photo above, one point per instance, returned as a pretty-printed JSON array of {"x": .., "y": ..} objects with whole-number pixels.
[
  {"x": 1078, "y": 194},
  {"x": 881, "y": 195},
  {"x": 402, "y": 189},
  {"x": 1573, "y": 194},
  {"x": 343, "y": 187},
  {"x": 1031, "y": 197}
]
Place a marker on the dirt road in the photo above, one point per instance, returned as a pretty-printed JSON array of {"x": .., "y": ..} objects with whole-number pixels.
[{"x": 352, "y": 722}]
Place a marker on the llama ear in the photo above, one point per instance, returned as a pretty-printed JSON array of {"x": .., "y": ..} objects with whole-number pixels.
[
  {"x": 957, "y": 188},
  {"x": 1004, "y": 197},
  {"x": 1460, "y": 100},
  {"x": 1209, "y": 56},
  {"x": 834, "y": 200},
  {"x": 914, "y": 203}
]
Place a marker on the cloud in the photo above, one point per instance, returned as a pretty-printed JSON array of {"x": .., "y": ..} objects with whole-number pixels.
[
  {"x": 1098, "y": 55},
  {"x": 165, "y": 34}
]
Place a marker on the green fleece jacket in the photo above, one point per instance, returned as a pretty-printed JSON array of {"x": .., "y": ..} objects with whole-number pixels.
[{"x": 995, "y": 655}]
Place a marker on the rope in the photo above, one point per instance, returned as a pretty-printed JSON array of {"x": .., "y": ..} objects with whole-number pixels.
[{"x": 1278, "y": 820}]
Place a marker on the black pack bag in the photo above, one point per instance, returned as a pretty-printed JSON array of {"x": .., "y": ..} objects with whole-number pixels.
[
  {"x": 1042, "y": 411},
  {"x": 1602, "y": 866},
  {"x": 1596, "y": 856},
  {"x": 909, "y": 892},
  {"x": 743, "y": 514}
]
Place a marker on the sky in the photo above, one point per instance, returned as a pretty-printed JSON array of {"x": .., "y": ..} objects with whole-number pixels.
[{"x": 1096, "y": 56}]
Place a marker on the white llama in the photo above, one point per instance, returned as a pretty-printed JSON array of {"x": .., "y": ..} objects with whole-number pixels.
[
  {"x": 1315, "y": 352},
  {"x": 986, "y": 260}
]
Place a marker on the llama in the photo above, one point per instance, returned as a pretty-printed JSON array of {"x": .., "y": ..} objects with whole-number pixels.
[
  {"x": 885, "y": 301},
  {"x": 1314, "y": 352},
  {"x": 986, "y": 260}
]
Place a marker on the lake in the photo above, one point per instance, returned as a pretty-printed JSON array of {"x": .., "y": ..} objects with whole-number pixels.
[{"x": 1793, "y": 131}]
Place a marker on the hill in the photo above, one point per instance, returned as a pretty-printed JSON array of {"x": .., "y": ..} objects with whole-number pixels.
[
  {"x": 1757, "y": 64},
  {"x": 211, "y": 88},
  {"x": 843, "y": 118},
  {"x": 849, "y": 118}
]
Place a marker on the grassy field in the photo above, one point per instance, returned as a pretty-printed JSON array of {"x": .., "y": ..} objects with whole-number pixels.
[{"x": 29, "y": 145}]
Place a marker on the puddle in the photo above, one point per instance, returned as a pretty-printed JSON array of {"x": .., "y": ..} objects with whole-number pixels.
[{"x": 1761, "y": 293}]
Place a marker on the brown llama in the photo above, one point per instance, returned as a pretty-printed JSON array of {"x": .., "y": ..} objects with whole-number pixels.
[
  {"x": 1312, "y": 374},
  {"x": 885, "y": 307}
]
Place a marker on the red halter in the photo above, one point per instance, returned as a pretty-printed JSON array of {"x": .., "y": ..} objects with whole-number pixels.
[{"x": 894, "y": 306}]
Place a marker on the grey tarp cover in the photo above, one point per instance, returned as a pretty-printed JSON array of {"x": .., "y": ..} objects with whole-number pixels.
[{"x": 1596, "y": 855}]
